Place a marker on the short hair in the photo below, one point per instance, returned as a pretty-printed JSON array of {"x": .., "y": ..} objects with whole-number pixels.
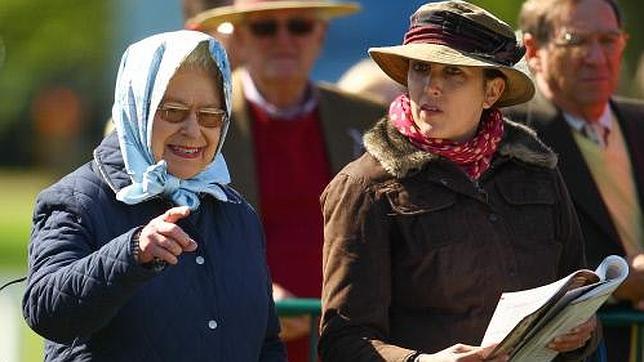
[
  {"x": 537, "y": 16},
  {"x": 493, "y": 73}
]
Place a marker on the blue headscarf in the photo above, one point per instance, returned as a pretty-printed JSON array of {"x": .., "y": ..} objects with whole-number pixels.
[{"x": 145, "y": 71}]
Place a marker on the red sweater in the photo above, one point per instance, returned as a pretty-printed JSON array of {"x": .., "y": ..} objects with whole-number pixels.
[{"x": 292, "y": 170}]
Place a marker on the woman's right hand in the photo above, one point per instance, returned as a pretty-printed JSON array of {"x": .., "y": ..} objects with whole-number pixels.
[
  {"x": 462, "y": 353},
  {"x": 163, "y": 239}
]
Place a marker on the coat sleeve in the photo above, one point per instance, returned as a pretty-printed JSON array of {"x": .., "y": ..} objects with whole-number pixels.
[
  {"x": 573, "y": 258},
  {"x": 273, "y": 348},
  {"x": 356, "y": 292},
  {"x": 73, "y": 287}
]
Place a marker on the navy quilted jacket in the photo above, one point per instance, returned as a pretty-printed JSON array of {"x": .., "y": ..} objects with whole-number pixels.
[{"x": 91, "y": 301}]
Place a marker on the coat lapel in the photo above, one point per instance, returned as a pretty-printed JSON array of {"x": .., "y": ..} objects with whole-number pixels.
[
  {"x": 630, "y": 118},
  {"x": 238, "y": 149},
  {"x": 343, "y": 143}
]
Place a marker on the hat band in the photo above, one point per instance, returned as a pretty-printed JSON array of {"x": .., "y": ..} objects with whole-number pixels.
[{"x": 463, "y": 34}]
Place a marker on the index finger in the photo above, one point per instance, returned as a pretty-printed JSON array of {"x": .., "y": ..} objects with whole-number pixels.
[
  {"x": 175, "y": 214},
  {"x": 178, "y": 235}
]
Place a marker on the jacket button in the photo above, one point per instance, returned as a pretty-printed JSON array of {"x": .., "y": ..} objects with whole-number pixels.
[
  {"x": 212, "y": 324},
  {"x": 493, "y": 218},
  {"x": 200, "y": 260}
]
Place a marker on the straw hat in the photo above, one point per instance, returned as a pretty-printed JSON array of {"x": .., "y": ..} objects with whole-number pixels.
[
  {"x": 458, "y": 33},
  {"x": 235, "y": 13}
]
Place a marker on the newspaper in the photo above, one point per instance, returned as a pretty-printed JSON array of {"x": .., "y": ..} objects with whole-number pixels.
[{"x": 525, "y": 322}]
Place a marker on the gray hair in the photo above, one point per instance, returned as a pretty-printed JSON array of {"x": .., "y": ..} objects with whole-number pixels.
[{"x": 201, "y": 59}]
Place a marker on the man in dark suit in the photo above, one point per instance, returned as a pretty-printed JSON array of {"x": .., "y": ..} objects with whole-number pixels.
[{"x": 574, "y": 49}]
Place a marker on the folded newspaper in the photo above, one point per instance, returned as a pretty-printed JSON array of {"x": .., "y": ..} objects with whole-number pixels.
[{"x": 525, "y": 322}]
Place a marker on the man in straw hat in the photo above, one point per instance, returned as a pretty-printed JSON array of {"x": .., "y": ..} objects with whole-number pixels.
[
  {"x": 575, "y": 50},
  {"x": 288, "y": 136},
  {"x": 450, "y": 205}
]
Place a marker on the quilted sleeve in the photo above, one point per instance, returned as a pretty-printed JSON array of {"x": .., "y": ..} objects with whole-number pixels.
[
  {"x": 273, "y": 348},
  {"x": 74, "y": 287}
]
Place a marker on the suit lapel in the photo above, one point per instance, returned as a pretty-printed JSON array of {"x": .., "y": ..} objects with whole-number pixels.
[{"x": 343, "y": 144}]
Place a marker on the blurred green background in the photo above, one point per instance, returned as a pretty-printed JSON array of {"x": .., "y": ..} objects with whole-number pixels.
[
  {"x": 53, "y": 75},
  {"x": 18, "y": 192},
  {"x": 58, "y": 60}
]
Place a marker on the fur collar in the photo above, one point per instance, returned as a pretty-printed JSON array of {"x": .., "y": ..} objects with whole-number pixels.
[{"x": 400, "y": 158}]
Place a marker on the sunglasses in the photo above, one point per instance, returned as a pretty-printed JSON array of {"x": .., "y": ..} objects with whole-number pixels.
[
  {"x": 206, "y": 117},
  {"x": 270, "y": 27}
]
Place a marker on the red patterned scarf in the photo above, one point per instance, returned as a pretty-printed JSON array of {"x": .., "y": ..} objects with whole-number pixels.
[{"x": 473, "y": 156}]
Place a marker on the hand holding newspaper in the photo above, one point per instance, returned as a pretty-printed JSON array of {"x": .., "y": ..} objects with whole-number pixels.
[{"x": 524, "y": 322}]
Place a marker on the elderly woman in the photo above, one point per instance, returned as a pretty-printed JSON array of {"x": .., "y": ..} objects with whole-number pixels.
[
  {"x": 145, "y": 253},
  {"x": 450, "y": 206}
]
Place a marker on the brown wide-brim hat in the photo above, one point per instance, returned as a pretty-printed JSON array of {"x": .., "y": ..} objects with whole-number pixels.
[
  {"x": 236, "y": 13},
  {"x": 438, "y": 33}
]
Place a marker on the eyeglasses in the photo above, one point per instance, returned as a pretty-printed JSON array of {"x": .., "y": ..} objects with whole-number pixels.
[
  {"x": 580, "y": 42},
  {"x": 270, "y": 27},
  {"x": 206, "y": 117}
]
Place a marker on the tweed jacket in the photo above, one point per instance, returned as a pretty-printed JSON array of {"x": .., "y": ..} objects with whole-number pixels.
[
  {"x": 416, "y": 254},
  {"x": 599, "y": 231},
  {"x": 344, "y": 118}
]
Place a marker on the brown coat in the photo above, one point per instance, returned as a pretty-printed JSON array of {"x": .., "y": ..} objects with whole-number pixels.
[
  {"x": 344, "y": 118},
  {"x": 416, "y": 255}
]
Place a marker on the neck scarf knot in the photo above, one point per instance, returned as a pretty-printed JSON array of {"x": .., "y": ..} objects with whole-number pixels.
[
  {"x": 473, "y": 156},
  {"x": 157, "y": 181}
]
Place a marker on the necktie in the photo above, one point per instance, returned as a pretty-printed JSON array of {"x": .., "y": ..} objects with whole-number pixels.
[{"x": 596, "y": 133}]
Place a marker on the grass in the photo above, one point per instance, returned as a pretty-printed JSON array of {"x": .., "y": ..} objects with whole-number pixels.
[
  {"x": 31, "y": 349},
  {"x": 18, "y": 192}
]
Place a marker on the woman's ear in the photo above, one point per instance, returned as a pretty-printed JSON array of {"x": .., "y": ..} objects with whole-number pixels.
[{"x": 493, "y": 90}]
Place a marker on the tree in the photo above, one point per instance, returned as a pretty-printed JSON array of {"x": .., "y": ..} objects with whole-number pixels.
[{"x": 47, "y": 43}]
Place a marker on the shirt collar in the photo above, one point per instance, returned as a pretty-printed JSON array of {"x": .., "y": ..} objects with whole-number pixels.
[
  {"x": 597, "y": 131},
  {"x": 605, "y": 120},
  {"x": 306, "y": 106}
]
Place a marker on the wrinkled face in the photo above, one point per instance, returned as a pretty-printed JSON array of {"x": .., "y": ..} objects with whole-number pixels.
[
  {"x": 447, "y": 100},
  {"x": 281, "y": 45},
  {"x": 581, "y": 63},
  {"x": 187, "y": 125}
]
